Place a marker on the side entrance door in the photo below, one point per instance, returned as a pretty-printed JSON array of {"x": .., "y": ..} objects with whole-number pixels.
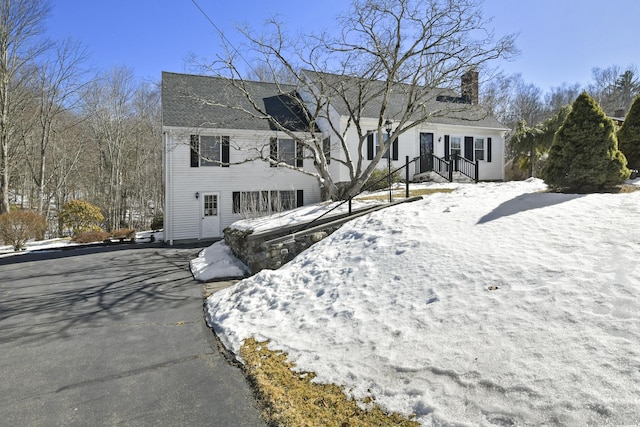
[
  {"x": 426, "y": 151},
  {"x": 210, "y": 213}
]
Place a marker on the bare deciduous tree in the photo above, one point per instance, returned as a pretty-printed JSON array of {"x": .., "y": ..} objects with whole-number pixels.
[
  {"x": 107, "y": 105},
  {"x": 415, "y": 48},
  {"x": 123, "y": 119},
  {"x": 55, "y": 83},
  {"x": 559, "y": 97},
  {"x": 614, "y": 88},
  {"x": 21, "y": 23},
  {"x": 510, "y": 99}
]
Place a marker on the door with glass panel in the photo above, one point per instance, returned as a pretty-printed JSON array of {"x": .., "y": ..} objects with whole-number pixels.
[
  {"x": 426, "y": 151},
  {"x": 210, "y": 213}
]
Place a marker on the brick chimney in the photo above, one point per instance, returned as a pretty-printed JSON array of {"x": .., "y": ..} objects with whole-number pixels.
[{"x": 470, "y": 87}]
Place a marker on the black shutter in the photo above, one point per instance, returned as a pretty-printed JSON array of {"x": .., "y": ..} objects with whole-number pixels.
[
  {"x": 299, "y": 154},
  {"x": 468, "y": 148},
  {"x": 394, "y": 150},
  {"x": 447, "y": 154},
  {"x": 225, "y": 151},
  {"x": 195, "y": 151},
  {"x": 488, "y": 149},
  {"x": 273, "y": 150},
  {"x": 370, "y": 146},
  {"x": 326, "y": 147},
  {"x": 299, "y": 198}
]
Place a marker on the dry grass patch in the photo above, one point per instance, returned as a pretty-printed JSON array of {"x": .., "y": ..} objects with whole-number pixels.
[
  {"x": 626, "y": 188},
  {"x": 291, "y": 399},
  {"x": 397, "y": 194}
]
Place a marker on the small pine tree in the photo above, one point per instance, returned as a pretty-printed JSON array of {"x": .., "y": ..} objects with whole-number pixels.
[
  {"x": 81, "y": 216},
  {"x": 584, "y": 156},
  {"x": 629, "y": 135}
]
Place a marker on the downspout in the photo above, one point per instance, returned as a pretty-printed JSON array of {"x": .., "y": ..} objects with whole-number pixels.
[
  {"x": 504, "y": 146},
  {"x": 168, "y": 196}
]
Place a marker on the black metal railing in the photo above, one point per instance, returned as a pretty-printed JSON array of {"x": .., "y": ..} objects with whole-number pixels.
[
  {"x": 466, "y": 167},
  {"x": 442, "y": 167},
  {"x": 385, "y": 178}
]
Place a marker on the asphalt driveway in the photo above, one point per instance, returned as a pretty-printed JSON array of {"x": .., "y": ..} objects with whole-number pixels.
[{"x": 112, "y": 336}]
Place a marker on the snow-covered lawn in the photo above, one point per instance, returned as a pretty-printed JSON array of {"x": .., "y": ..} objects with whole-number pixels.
[{"x": 497, "y": 304}]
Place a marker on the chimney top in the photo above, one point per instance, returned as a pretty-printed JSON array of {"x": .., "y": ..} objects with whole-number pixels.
[{"x": 470, "y": 87}]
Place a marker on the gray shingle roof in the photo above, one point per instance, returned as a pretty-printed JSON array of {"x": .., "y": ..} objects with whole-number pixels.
[
  {"x": 448, "y": 113},
  {"x": 214, "y": 102}
]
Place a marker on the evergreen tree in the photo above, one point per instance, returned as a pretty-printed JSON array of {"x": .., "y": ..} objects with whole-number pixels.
[
  {"x": 584, "y": 156},
  {"x": 629, "y": 135},
  {"x": 529, "y": 145}
]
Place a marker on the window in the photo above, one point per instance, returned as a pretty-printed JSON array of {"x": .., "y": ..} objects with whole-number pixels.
[
  {"x": 210, "y": 154},
  {"x": 250, "y": 201},
  {"x": 257, "y": 203},
  {"x": 207, "y": 150},
  {"x": 210, "y": 204},
  {"x": 373, "y": 146},
  {"x": 479, "y": 148},
  {"x": 456, "y": 146},
  {"x": 385, "y": 137},
  {"x": 326, "y": 148},
  {"x": 286, "y": 151},
  {"x": 287, "y": 200}
]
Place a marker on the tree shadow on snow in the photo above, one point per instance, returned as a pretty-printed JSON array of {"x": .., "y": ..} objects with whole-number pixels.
[{"x": 527, "y": 202}]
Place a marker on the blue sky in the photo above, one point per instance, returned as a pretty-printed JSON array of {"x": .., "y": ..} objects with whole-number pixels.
[{"x": 560, "y": 40}]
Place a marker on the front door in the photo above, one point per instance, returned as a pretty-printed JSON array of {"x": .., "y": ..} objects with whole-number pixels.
[
  {"x": 426, "y": 152},
  {"x": 210, "y": 212}
]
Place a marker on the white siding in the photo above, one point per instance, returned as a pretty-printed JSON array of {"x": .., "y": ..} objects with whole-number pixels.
[
  {"x": 409, "y": 145},
  {"x": 183, "y": 181}
]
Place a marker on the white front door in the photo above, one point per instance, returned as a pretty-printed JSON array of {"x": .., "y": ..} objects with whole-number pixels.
[{"x": 210, "y": 213}]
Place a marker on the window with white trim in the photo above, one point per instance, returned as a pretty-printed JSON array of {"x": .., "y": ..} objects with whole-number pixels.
[
  {"x": 479, "y": 148},
  {"x": 385, "y": 137},
  {"x": 286, "y": 151},
  {"x": 257, "y": 203},
  {"x": 209, "y": 150},
  {"x": 456, "y": 146}
]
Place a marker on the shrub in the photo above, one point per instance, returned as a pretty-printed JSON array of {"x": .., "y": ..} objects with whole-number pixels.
[
  {"x": 629, "y": 135},
  {"x": 584, "y": 155},
  {"x": 91, "y": 236},
  {"x": 157, "y": 222},
  {"x": 124, "y": 233},
  {"x": 378, "y": 180},
  {"x": 81, "y": 216},
  {"x": 17, "y": 227}
]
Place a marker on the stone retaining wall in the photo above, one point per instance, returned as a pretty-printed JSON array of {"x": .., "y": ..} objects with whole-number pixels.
[
  {"x": 274, "y": 248},
  {"x": 259, "y": 253}
]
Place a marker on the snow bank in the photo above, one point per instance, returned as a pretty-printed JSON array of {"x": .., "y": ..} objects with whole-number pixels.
[
  {"x": 217, "y": 261},
  {"x": 497, "y": 304}
]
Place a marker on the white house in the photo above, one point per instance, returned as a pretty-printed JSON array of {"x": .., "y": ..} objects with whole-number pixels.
[
  {"x": 215, "y": 145},
  {"x": 456, "y": 126},
  {"x": 208, "y": 172}
]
